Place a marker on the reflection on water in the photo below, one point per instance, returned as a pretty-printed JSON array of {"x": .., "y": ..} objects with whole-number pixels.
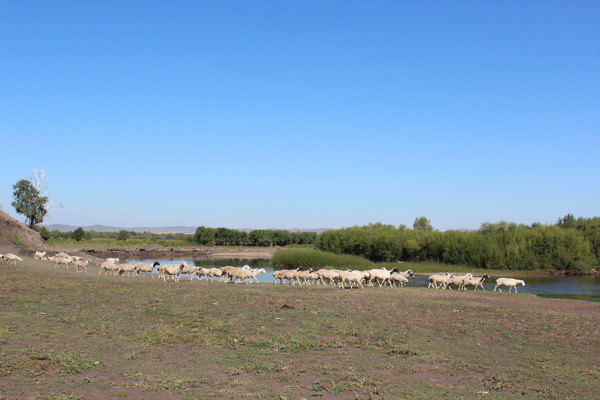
[{"x": 577, "y": 288}]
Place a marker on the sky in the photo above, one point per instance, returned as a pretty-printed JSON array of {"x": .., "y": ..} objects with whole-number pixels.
[{"x": 256, "y": 114}]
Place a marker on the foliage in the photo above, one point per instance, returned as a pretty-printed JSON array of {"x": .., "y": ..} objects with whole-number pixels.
[
  {"x": 567, "y": 246},
  {"x": 258, "y": 237},
  {"x": 44, "y": 233},
  {"x": 123, "y": 235},
  {"x": 29, "y": 202},
  {"x": 78, "y": 234},
  {"x": 422, "y": 224}
]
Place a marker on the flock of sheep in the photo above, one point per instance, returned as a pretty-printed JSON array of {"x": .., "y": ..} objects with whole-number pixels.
[{"x": 245, "y": 274}]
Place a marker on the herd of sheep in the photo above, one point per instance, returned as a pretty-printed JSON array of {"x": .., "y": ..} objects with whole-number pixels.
[{"x": 245, "y": 274}]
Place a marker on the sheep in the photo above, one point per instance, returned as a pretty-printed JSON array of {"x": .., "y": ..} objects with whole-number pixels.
[
  {"x": 2, "y": 257},
  {"x": 509, "y": 282},
  {"x": 62, "y": 254},
  {"x": 284, "y": 274},
  {"x": 171, "y": 269},
  {"x": 113, "y": 260},
  {"x": 108, "y": 266},
  {"x": 352, "y": 277},
  {"x": 129, "y": 268},
  {"x": 439, "y": 280},
  {"x": 458, "y": 280},
  {"x": 39, "y": 255},
  {"x": 330, "y": 274},
  {"x": 82, "y": 264},
  {"x": 254, "y": 273},
  {"x": 141, "y": 267},
  {"x": 305, "y": 276},
  {"x": 381, "y": 276},
  {"x": 236, "y": 274},
  {"x": 399, "y": 278},
  {"x": 213, "y": 272},
  {"x": 189, "y": 269},
  {"x": 233, "y": 274},
  {"x": 65, "y": 261},
  {"x": 476, "y": 281},
  {"x": 202, "y": 272},
  {"x": 12, "y": 257}
]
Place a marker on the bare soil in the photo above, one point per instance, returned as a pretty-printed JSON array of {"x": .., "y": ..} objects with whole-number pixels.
[
  {"x": 68, "y": 335},
  {"x": 17, "y": 238}
]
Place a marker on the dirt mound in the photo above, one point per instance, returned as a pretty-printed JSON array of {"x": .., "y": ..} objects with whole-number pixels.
[{"x": 16, "y": 237}]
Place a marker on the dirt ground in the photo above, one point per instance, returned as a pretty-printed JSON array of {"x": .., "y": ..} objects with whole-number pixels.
[{"x": 68, "y": 335}]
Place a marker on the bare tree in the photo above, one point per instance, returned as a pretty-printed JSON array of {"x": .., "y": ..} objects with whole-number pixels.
[{"x": 38, "y": 180}]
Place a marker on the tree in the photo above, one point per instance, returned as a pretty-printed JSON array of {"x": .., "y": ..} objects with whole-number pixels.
[
  {"x": 78, "y": 234},
  {"x": 422, "y": 224},
  {"x": 123, "y": 235},
  {"x": 29, "y": 202}
]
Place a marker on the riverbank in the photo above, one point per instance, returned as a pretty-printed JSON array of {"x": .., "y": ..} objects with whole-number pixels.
[
  {"x": 78, "y": 335},
  {"x": 127, "y": 253}
]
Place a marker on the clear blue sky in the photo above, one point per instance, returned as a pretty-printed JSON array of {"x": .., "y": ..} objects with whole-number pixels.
[{"x": 302, "y": 113}]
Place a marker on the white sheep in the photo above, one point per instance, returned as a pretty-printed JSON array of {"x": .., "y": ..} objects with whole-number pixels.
[
  {"x": 12, "y": 257},
  {"x": 254, "y": 273},
  {"x": 401, "y": 277},
  {"x": 141, "y": 267},
  {"x": 352, "y": 277},
  {"x": 476, "y": 281},
  {"x": 330, "y": 274},
  {"x": 173, "y": 270},
  {"x": 381, "y": 276},
  {"x": 398, "y": 278},
  {"x": 108, "y": 266},
  {"x": 508, "y": 282},
  {"x": 438, "y": 280},
  {"x": 127, "y": 268},
  {"x": 213, "y": 272},
  {"x": 113, "y": 260},
  {"x": 62, "y": 261},
  {"x": 305, "y": 276},
  {"x": 458, "y": 280},
  {"x": 39, "y": 255},
  {"x": 82, "y": 264},
  {"x": 284, "y": 274}
]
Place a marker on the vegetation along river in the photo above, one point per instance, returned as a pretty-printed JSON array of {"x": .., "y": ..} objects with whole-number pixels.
[{"x": 564, "y": 287}]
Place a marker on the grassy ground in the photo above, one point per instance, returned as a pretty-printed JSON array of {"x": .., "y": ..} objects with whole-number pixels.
[{"x": 65, "y": 335}]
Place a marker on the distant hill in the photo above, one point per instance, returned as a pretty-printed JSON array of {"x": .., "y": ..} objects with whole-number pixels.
[{"x": 153, "y": 229}]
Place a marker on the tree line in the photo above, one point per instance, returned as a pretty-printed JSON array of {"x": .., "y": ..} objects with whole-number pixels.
[
  {"x": 258, "y": 237},
  {"x": 202, "y": 236},
  {"x": 569, "y": 245}
]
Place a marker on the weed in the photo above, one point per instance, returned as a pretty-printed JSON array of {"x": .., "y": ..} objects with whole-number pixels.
[{"x": 71, "y": 363}]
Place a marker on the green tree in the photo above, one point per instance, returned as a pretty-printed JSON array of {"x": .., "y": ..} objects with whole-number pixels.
[
  {"x": 45, "y": 233},
  {"x": 78, "y": 234},
  {"x": 29, "y": 202},
  {"x": 204, "y": 235},
  {"x": 422, "y": 224},
  {"x": 123, "y": 235}
]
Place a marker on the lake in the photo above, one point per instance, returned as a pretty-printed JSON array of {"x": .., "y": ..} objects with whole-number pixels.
[{"x": 564, "y": 287}]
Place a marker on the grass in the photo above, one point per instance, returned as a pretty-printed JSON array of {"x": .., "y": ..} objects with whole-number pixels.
[{"x": 69, "y": 335}]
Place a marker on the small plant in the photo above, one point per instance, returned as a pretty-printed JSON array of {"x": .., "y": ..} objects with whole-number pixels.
[{"x": 71, "y": 363}]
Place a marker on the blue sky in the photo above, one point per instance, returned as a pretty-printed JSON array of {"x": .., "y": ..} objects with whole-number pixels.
[{"x": 302, "y": 113}]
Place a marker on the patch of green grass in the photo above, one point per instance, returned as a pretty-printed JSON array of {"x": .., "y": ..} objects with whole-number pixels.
[{"x": 71, "y": 363}]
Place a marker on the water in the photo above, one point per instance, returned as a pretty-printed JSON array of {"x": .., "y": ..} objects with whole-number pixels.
[{"x": 577, "y": 288}]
